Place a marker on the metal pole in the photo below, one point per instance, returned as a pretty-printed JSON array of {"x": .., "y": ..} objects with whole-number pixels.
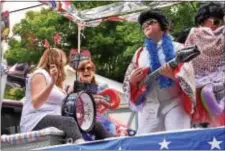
[
  {"x": 17, "y": 10},
  {"x": 79, "y": 28},
  {"x": 1, "y": 71}
]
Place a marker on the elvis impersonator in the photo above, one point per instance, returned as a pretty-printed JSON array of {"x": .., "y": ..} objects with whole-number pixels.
[{"x": 161, "y": 108}]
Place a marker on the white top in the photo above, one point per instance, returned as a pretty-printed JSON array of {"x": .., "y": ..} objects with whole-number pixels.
[{"x": 31, "y": 116}]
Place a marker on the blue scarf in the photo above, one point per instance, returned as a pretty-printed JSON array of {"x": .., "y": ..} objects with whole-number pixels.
[{"x": 168, "y": 50}]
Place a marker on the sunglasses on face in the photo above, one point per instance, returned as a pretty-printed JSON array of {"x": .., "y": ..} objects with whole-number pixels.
[
  {"x": 149, "y": 22},
  {"x": 82, "y": 69},
  {"x": 216, "y": 22}
]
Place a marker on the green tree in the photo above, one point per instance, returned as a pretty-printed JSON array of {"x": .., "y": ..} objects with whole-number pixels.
[
  {"x": 33, "y": 30},
  {"x": 181, "y": 15},
  {"x": 112, "y": 45}
]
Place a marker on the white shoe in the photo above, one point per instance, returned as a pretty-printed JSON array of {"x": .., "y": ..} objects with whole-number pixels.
[{"x": 79, "y": 141}]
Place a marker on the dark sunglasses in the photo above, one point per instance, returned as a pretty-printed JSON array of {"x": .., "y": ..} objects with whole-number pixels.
[
  {"x": 149, "y": 22},
  {"x": 82, "y": 69},
  {"x": 216, "y": 22}
]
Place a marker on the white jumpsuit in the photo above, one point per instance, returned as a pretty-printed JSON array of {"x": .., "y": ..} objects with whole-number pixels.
[{"x": 163, "y": 108}]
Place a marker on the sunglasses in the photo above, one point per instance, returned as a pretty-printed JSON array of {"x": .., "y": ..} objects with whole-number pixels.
[
  {"x": 149, "y": 22},
  {"x": 82, "y": 69},
  {"x": 216, "y": 22}
]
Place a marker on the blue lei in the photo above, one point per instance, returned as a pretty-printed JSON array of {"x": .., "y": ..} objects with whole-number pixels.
[{"x": 168, "y": 50}]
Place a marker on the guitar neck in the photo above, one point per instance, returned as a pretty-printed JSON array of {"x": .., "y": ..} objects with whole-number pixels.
[{"x": 152, "y": 76}]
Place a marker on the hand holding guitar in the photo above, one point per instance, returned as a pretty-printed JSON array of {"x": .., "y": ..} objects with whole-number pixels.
[
  {"x": 167, "y": 71},
  {"x": 137, "y": 76}
]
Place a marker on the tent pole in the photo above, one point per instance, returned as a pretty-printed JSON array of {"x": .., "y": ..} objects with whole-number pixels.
[{"x": 79, "y": 28}]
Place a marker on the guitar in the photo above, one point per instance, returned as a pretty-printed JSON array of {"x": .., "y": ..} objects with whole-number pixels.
[
  {"x": 112, "y": 96},
  {"x": 138, "y": 92}
]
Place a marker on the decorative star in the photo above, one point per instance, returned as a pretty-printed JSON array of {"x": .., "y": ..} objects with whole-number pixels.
[
  {"x": 215, "y": 144},
  {"x": 164, "y": 144},
  {"x": 80, "y": 149},
  {"x": 120, "y": 148}
]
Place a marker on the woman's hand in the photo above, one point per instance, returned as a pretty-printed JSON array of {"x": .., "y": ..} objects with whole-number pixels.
[{"x": 53, "y": 73}]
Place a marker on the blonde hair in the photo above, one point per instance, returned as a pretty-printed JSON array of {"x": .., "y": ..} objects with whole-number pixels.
[
  {"x": 50, "y": 56},
  {"x": 85, "y": 62}
]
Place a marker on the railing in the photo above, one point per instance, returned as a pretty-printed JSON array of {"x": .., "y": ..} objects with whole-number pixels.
[{"x": 132, "y": 121}]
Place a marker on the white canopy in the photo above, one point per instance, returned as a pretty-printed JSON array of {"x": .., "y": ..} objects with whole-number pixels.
[{"x": 118, "y": 11}]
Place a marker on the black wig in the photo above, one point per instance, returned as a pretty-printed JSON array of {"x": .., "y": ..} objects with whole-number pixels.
[
  {"x": 208, "y": 10},
  {"x": 154, "y": 14}
]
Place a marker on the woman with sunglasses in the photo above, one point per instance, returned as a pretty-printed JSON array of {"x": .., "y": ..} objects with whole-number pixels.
[
  {"x": 209, "y": 66},
  {"x": 86, "y": 73},
  {"x": 44, "y": 97},
  {"x": 160, "y": 109}
]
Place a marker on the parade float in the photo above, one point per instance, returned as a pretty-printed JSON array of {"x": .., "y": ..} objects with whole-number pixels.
[{"x": 53, "y": 139}]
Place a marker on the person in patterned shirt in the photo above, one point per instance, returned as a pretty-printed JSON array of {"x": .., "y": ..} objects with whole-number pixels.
[{"x": 209, "y": 66}]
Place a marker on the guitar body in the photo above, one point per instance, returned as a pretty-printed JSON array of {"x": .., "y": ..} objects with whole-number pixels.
[
  {"x": 112, "y": 96},
  {"x": 138, "y": 93}
]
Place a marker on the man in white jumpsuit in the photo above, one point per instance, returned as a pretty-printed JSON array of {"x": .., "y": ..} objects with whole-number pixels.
[{"x": 162, "y": 107}]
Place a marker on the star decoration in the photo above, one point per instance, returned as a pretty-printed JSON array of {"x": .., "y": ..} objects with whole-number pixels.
[
  {"x": 164, "y": 144},
  {"x": 120, "y": 148},
  {"x": 215, "y": 144}
]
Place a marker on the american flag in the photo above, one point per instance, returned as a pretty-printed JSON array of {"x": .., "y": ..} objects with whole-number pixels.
[{"x": 195, "y": 139}]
